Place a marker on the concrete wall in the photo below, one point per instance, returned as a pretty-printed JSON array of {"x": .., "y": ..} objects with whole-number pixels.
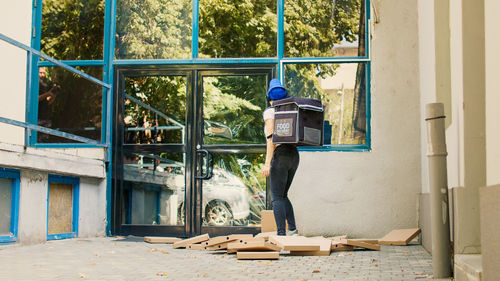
[
  {"x": 15, "y": 22},
  {"x": 35, "y": 166},
  {"x": 367, "y": 194}
]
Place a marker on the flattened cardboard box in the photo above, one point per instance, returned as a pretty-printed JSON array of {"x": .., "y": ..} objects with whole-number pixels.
[
  {"x": 295, "y": 243},
  {"x": 399, "y": 237},
  {"x": 161, "y": 240},
  {"x": 193, "y": 240},
  {"x": 324, "y": 250},
  {"x": 258, "y": 255}
]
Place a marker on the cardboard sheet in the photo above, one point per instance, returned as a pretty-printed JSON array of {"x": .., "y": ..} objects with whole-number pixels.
[
  {"x": 295, "y": 243},
  {"x": 193, "y": 240},
  {"x": 161, "y": 240},
  {"x": 399, "y": 237},
  {"x": 258, "y": 255},
  {"x": 324, "y": 250}
]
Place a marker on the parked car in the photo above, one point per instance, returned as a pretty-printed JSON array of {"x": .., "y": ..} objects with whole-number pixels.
[{"x": 225, "y": 200}]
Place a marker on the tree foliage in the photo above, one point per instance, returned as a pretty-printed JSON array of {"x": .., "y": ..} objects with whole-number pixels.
[
  {"x": 238, "y": 28},
  {"x": 73, "y": 30},
  {"x": 153, "y": 29}
]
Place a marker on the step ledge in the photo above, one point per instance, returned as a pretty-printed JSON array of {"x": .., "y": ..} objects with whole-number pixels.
[{"x": 470, "y": 264}]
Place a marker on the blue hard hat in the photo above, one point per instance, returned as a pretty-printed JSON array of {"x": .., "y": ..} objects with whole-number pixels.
[{"x": 276, "y": 91}]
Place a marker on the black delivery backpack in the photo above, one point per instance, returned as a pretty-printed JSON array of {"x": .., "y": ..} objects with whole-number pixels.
[{"x": 298, "y": 121}]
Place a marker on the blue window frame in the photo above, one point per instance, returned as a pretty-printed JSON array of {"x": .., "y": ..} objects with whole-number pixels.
[
  {"x": 74, "y": 184},
  {"x": 10, "y": 178},
  {"x": 282, "y": 59}
]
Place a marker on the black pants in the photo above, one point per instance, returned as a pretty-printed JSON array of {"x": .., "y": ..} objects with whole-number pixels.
[{"x": 283, "y": 166}]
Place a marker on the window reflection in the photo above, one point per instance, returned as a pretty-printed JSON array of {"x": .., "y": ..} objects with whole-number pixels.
[
  {"x": 232, "y": 109},
  {"x": 154, "y": 29},
  {"x": 73, "y": 30},
  {"x": 324, "y": 28},
  {"x": 155, "y": 110},
  {"x": 342, "y": 90},
  {"x": 236, "y": 193},
  {"x": 236, "y": 29},
  {"x": 154, "y": 188},
  {"x": 69, "y": 103}
]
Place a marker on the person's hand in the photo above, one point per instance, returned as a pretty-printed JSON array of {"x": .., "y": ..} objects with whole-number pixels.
[{"x": 266, "y": 170}]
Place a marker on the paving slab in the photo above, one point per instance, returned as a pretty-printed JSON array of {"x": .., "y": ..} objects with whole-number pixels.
[{"x": 131, "y": 259}]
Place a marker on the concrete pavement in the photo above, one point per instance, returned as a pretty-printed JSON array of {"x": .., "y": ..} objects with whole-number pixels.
[{"x": 131, "y": 259}]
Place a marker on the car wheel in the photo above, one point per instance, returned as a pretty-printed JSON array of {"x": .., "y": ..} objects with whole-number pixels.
[{"x": 218, "y": 213}]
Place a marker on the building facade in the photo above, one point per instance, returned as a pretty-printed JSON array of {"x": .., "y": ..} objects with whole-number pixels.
[{"x": 182, "y": 117}]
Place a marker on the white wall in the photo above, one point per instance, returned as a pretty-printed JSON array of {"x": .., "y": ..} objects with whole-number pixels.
[
  {"x": 492, "y": 22},
  {"x": 367, "y": 194},
  {"x": 454, "y": 133},
  {"x": 427, "y": 83},
  {"x": 15, "y": 22}
]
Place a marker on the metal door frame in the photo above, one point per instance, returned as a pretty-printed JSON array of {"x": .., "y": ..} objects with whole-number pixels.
[{"x": 192, "y": 144}]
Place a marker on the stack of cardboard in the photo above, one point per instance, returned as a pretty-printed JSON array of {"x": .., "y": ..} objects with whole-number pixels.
[{"x": 268, "y": 245}]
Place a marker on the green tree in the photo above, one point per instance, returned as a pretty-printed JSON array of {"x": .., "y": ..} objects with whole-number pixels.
[
  {"x": 153, "y": 29},
  {"x": 73, "y": 30},
  {"x": 238, "y": 28}
]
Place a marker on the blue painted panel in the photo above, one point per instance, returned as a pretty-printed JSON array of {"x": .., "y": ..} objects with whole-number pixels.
[
  {"x": 74, "y": 63},
  {"x": 197, "y": 61},
  {"x": 61, "y": 236},
  {"x": 196, "y": 28}
]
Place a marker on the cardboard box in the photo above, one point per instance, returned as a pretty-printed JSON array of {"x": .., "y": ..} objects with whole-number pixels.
[{"x": 258, "y": 255}]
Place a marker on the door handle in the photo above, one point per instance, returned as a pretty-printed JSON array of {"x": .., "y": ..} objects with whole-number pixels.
[{"x": 209, "y": 165}]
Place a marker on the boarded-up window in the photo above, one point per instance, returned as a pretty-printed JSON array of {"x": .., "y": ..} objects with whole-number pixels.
[{"x": 60, "y": 208}]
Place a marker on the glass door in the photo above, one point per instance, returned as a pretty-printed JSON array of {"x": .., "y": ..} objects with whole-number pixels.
[
  {"x": 151, "y": 152},
  {"x": 231, "y": 129},
  {"x": 188, "y": 149}
]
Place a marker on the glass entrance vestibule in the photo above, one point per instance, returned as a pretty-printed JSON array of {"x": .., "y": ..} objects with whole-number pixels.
[
  {"x": 189, "y": 148},
  {"x": 188, "y": 80}
]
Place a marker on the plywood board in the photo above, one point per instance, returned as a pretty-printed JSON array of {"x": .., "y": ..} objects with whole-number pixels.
[
  {"x": 399, "y": 237},
  {"x": 324, "y": 250},
  {"x": 161, "y": 240},
  {"x": 195, "y": 247},
  {"x": 193, "y": 240},
  {"x": 258, "y": 255},
  {"x": 60, "y": 208},
  {"x": 295, "y": 243},
  {"x": 361, "y": 244}
]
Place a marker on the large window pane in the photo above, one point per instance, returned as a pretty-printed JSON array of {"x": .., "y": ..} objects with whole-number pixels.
[
  {"x": 324, "y": 28},
  {"x": 153, "y": 29},
  {"x": 234, "y": 29},
  {"x": 73, "y": 30},
  {"x": 342, "y": 90},
  {"x": 154, "y": 188},
  {"x": 156, "y": 113},
  {"x": 5, "y": 206},
  {"x": 236, "y": 193},
  {"x": 232, "y": 109},
  {"x": 69, "y": 103}
]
